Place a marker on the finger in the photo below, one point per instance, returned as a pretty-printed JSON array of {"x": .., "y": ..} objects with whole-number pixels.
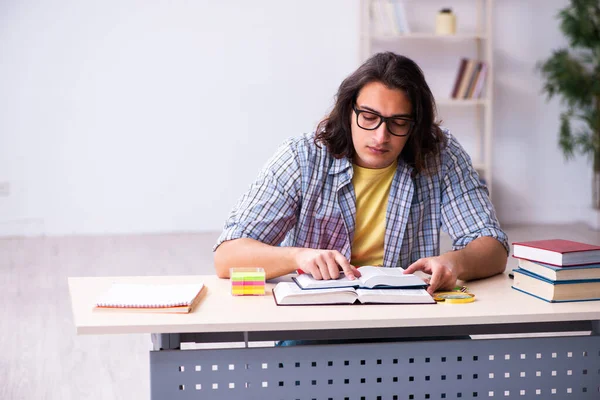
[
  {"x": 419, "y": 265},
  {"x": 448, "y": 282},
  {"x": 315, "y": 272},
  {"x": 434, "y": 282},
  {"x": 332, "y": 266},
  {"x": 322, "y": 264},
  {"x": 349, "y": 270}
]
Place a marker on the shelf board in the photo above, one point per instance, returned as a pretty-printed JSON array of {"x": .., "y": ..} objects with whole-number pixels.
[
  {"x": 429, "y": 35},
  {"x": 461, "y": 102}
]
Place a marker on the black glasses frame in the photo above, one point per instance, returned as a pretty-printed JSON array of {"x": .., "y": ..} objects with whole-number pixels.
[{"x": 383, "y": 119}]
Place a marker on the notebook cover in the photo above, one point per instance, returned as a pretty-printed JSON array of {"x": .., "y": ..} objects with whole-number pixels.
[
  {"x": 552, "y": 301},
  {"x": 559, "y": 245},
  {"x": 559, "y": 267},
  {"x": 541, "y": 278}
]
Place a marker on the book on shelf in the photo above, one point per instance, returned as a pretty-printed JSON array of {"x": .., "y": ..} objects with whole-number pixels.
[
  {"x": 371, "y": 277},
  {"x": 555, "y": 291},
  {"x": 389, "y": 13},
  {"x": 388, "y": 18},
  {"x": 470, "y": 79},
  {"x": 466, "y": 79},
  {"x": 400, "y": 13},
  {"x": 379, "y": 19},
  {"x": 289, "y": 293},
  {"x": 158, "y": 298},
  {"x": 459, "y": 75},
  {"x": 554, "y": 273},
  {"x": 476, "y": 77},
  {"x": 480, "y": 82},
  {"x": 558, "y": 252}
]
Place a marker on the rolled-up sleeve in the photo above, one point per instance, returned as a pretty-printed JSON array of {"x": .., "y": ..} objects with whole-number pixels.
[
  {"x": 467, "y": 212},
  {"x": 268, "y": 210}
]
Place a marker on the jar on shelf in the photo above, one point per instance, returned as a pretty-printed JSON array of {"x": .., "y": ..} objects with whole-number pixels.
[{"x": 445, "y": 23}]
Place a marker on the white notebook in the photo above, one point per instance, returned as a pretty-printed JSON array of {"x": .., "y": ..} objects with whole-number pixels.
[{"x": 151, "y": 297}]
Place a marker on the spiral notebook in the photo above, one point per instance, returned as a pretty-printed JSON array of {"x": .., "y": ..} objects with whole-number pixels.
[{"x": 161, "y": 298}]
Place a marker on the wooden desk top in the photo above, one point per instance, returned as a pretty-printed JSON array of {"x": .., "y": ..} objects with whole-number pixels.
[{"x": 219, "y": 311}]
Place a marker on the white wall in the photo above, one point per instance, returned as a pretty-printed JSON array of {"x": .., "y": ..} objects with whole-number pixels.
[
  {"x": 151, "y": 116},
  {"x": 533, "y": 183}
]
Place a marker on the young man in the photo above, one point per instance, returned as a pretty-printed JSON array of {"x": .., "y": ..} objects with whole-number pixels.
[{"x": 372, "y": 186}]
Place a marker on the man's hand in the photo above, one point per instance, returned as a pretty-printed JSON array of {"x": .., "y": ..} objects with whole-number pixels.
[
  {"x": 441, "y": 269},
  {"x": 325, "y": 264}
]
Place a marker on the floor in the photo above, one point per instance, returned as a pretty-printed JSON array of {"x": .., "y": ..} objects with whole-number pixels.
[{"x": 41, "y": 357}]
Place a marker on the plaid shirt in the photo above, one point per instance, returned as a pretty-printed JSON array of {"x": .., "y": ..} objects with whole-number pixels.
[{"x": 304, "y": 197}]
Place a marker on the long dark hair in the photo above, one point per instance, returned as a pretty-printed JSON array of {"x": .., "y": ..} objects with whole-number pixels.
[{"x": 396, "y": 72}]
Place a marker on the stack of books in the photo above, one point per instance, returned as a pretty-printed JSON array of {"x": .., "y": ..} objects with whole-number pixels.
[
  {"x": 375, "y": 285},
  {"x": 388, "y": 18},
  {"x": 558, "y": 270},
  {"x": 470, "y": 79}
]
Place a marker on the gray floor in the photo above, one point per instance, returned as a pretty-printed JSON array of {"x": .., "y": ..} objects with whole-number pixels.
[{"x": 40, "y": 355}]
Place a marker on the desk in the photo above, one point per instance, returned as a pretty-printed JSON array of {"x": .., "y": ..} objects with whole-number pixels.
[{"x": 523, "y": 368}]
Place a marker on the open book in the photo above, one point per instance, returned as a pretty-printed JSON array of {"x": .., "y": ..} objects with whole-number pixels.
[
  {"x": 288, "y": 293},
  {"x": 371, "y": 277},
  {"x": 161, "y": 298}
]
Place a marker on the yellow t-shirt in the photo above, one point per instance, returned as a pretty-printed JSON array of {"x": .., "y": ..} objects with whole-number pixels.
[{"x": 372, "y": 189}]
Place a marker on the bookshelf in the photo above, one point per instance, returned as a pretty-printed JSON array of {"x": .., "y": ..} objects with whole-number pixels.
[{"x": 473, "y": 39}]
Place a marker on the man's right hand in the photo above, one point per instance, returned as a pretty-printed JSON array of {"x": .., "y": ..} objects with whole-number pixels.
[{"x": 325, "y": 264}]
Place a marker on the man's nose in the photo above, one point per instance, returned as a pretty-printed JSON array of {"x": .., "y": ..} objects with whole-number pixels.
[{"x": 381, "y": 133}]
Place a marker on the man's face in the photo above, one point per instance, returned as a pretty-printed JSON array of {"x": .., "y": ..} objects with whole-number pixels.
[{"x": 378, "y": 148}]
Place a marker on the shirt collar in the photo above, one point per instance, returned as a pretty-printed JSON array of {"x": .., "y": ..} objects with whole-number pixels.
[{"x": 340, "y": 165}]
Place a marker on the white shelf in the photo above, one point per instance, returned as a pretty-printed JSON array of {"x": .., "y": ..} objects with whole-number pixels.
[
  {"x": 430, "y": 36},
  {"x": 461, "y": 102},
  {"x": 377, "y": 28}
]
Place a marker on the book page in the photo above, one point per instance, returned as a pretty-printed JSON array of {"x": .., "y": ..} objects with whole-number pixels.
[
  {"x": 370, "y": 277},
  {"x": 307, "y": 281},
  {"x": 395, "y": 296},
  {"x": 289, "y": 293},
  {"x": 369, "y": 271},
  {"x": 135, "y": 295},
  {"x": 373, "y": 276}
]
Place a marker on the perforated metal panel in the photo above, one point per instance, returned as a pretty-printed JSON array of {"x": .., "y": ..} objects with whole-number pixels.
[{"x": 528, "y": 368}]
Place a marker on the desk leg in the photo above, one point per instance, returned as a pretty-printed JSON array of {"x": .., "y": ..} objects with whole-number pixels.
[{"x": 166, "y": 341}]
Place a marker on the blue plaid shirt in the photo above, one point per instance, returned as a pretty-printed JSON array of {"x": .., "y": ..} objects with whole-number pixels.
[{"x": 304, "y": 197}]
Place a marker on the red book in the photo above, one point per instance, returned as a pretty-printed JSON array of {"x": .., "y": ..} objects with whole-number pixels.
[
  {"x": 459, "y": 76},
  {"x": 557, "y": 252}
]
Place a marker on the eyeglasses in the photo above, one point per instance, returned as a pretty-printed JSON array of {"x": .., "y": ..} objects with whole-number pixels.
[{"x": 397, "y": 126}]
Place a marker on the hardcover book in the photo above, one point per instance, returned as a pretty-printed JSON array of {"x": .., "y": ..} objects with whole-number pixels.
[
  {"x": 473, "y": 79},
  {"x": 466, "y": 79},
  {"x": 459, "y": 76},
  {"x": 554, "y": 273},
  {"x": 557, "y": 252},
  {"x": 556, "y": 291},
  {"x": 288, "y": 293},
  {"x": 480, "y": 83}
]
